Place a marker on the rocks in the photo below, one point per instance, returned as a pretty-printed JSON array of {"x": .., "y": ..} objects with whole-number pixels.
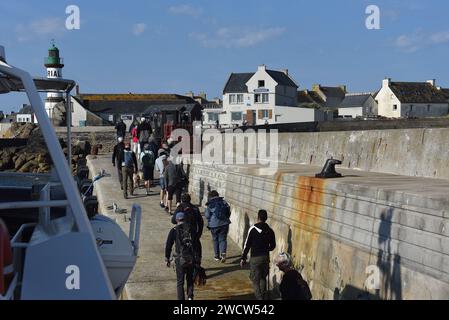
[{"x": 34, "y": 157}]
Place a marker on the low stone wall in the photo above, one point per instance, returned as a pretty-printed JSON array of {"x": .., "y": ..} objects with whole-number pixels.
[
  {"x": 338, "y": 230},
  {"x": 409, "y": 152},
  {"x": 95, "y": 135}
]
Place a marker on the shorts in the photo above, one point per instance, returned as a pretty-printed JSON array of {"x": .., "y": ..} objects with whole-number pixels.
[
  {"x": 174, "y": 190},
  {"x": 148, "y": 173},
  {"x": 162, "y": 183}
]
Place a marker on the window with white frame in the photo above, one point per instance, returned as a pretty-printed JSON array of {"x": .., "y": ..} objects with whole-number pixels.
[
  {"x": 240, "y": 99},
  {"x": 261, "y": 98},
  {"x": 212, "y": 116},
  {"x": 265, "y": 114},
  {"x": 236, "y": 116},
  {"x": 232, "y": 99}
]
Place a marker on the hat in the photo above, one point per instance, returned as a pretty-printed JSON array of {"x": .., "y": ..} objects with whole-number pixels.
[{"x": 180, "y": 216}]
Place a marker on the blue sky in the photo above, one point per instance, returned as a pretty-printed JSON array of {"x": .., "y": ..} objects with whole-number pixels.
[{"x": 155, "y": 46}]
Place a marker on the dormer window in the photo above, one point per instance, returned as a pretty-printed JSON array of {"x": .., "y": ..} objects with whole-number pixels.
[{"x": 261, "y": 84}]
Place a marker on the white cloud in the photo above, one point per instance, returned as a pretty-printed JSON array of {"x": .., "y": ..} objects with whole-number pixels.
[
  {"x": 40, "y": 28},
  {"x": 233, "y": 37},
  {"x": 139, "y": 28},
  {"x": 186, "y": 9},
  {"x": 419, "y": 40}
]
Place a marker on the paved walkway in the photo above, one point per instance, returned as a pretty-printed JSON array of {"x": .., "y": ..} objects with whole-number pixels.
[{"x": 151, "y": 279}]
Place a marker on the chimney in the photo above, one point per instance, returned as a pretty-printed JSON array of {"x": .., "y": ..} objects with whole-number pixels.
[
  {"x": 433, "y": 82},
  {"x": 77, "y": 90},
  {"x": 285, "y": 71},
  {"x": 262, "y": 68},
  {"x": 2, "y": 54},
  {"x": 386, "y": 82},
  {"x": 202, "y": 94},
  {"x": 315, "y": 87}
]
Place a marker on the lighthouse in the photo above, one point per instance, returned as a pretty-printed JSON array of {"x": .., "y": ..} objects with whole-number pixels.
[{"x": 54, "y": 65}]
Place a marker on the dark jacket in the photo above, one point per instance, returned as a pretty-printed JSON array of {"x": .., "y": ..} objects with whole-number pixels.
[
  {"x": 192, "y": 216},
  {"x": 117, "y": 155},
  {"x": 171, "y": 240},
  {"x": 213, "y": 206},
  {"x": 154, "y": 148},
  {"x": 293, "y": 287},
  {"x": 144, "y": 131},
  {"x": 121, "y": 129},
  {"x": 260, "y": 240}
]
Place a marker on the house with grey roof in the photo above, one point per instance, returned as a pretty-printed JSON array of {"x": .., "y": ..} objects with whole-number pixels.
[
  {"x": 332, "y": 96},
  {"x": 26, "y": 115},
  {"x": 411, "y": 100},
  {"x": 356, "y": 105},
  {"x": 263, "y": 97}
]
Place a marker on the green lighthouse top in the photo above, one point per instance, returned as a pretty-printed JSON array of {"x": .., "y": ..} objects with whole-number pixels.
[{"x": 53, "y": 60}]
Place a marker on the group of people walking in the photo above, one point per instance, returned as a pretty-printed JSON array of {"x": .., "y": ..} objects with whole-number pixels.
[
  {"x": 185, "y": 236},
  {"x": 127, "y": 155}
]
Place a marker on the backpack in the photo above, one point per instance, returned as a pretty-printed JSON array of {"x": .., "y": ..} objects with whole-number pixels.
[
  {"x": 222, "y": 210},
  {"x": 184, "y": 245},
  {"x": 180, "y": 174},
  {"x": 148, "y": 159},
  {"x": 128, "y": 158}
]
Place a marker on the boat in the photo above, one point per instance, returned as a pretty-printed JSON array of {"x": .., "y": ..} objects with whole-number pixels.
[{"x": 58, "y": 249}]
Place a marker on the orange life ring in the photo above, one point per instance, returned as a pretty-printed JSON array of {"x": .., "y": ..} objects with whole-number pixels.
[{"x": 6, "y": 261}]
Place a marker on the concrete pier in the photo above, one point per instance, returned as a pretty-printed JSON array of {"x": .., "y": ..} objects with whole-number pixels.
[
  {"x": 343, "y": 233},
  {"x": 151, "y": 279}
]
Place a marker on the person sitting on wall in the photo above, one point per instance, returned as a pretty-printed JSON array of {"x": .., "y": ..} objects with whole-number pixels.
[{"x": 292, "y": 286}]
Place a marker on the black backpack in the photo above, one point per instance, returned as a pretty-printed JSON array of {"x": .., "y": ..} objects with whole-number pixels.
[{"x": 184, "y": 244}]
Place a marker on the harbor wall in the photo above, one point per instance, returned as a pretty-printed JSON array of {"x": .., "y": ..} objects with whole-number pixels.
[
  {"x": 342, "y": 235},
  {"x": 95, "y": 135}
]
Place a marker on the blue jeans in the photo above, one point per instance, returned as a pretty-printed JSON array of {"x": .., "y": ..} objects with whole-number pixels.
[{"x": 219, "y": 237}]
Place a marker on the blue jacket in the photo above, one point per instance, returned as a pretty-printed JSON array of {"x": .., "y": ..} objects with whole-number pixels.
[{"x": 213, "y": 206}]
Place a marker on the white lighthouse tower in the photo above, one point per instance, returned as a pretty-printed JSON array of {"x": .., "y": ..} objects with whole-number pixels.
[{"x": 54, "y": 65}]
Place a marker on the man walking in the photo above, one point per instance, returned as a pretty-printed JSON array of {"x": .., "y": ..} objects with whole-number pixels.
[
  {"x": 160, "y": 166},
  {"x": 185, "y": 256},
  {"x": 192, "y": 216},
  {"x": 120, "y": 127},
  {"x": 117, "y": 159},
  {"x": 147, "y": 161},
  {"x": 129, "y": 167},
  {"x": 173, "y": 180},
  {"x": 260, "y": 241},
  {"x": 143, "y": 132},
  {"x": 217, "y": 214}
]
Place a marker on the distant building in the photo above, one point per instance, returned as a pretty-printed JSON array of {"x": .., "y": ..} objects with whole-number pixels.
[
  {"x": 358, "y": 105},
  {"x": 331, "y": 96},
  {"x": 263, "y": 97},
  {"x": 26, "y": 115},
  {"x": 54, "y": 65},
  {"x": 411, "y": 99}
]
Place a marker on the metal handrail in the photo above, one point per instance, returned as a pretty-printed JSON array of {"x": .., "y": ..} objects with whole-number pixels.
[
  {"x": 33, "y": 204},
  {"x": 134, "y": 227}
]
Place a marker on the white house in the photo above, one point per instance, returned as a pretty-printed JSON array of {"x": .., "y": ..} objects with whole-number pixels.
[
  {"x": 411, "y": 99},
  {"x": 358, "y": 105},
  {"x": 26, "y": 115},
  {"x": 266, "y": 96}
]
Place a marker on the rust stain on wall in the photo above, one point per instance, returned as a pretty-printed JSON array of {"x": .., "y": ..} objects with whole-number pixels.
[{"x": 308, "y": 202}]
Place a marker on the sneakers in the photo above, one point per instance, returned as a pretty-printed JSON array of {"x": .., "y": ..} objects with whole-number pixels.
[
  {"x": 162, "y": 205},
  {"x": 223, "y": 258},
  {"x": 217, "y": 259}
]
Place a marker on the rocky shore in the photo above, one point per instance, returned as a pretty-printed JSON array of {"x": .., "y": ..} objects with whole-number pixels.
[{"x": 34, "y": 156}]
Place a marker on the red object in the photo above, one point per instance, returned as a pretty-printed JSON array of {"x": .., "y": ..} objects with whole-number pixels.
[
  {"x": 6, "y": 267},
  {"x": 134, "y": 135}
]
